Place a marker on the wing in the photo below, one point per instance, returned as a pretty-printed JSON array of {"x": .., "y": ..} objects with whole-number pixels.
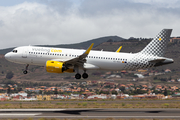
[{"x": 80, "y": 59}]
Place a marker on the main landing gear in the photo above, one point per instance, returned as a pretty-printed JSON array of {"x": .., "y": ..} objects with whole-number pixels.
[
  {"x": 25, "y": 71},
  {"x": 84, "y": 75},
  {"x": 78, "y": 76}
]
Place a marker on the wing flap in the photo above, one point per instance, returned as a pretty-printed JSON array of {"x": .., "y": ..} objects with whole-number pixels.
[{"x": 90, "y": 66}]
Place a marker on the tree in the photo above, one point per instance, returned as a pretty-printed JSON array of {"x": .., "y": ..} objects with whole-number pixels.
[
  {"x": 40, "y": 92},
  {"x": 122, "y": 88},
  {"x": 9, "y": 75},
  {"x": 15, "y": 90},
  {"x": 165, "y": 92},
  {"x": 114, "y": 92},
  {"x": 110, "y": 40},
  {"x": 56, "y": 91},
  {"x": 9, "y": 90},
  {"x": 19, "y": 89}
]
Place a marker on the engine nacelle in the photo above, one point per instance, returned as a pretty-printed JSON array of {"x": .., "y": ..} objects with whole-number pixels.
[
  {"x": 54, "y": 67},
  {"x": 69, "y": 70}
]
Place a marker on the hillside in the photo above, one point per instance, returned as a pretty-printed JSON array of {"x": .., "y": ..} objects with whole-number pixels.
[{"x": 82, "y": 45}]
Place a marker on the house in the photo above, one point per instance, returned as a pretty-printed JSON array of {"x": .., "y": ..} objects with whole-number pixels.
[
  {"x": 117, "y": 89},
  {"x": 167, "y": 71},
  {"x": 76, "y": 96},
  {"x": 43, "y": 87},
  {"x": 123, "y": 71},
  {"x": 17, "y": 97},
  {"x": 144, "y": 89},
  {"x": 151, "y": 96},
  {"x": 139, "y": 75},
  {"x": 3, "y": 97},
  {"x": 138, "y": 96},
  {"x": 160, "y": 96},
  {"x": 141, "y": 70},
  {"x": 1, "y": 88},
  {"x": 43, "y": 97},
  {"x": 158, "y": 87},
  {"x": 174, "y": 88},
  {"x": 102, "y": 96},
  {"x": 144, "y": 86},
  {"x": 176, "y": 95},
  {"x": 122, "y": 85}
]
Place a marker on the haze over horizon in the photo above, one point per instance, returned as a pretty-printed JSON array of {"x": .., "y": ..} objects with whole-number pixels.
[{"x": 50, "y": 22}]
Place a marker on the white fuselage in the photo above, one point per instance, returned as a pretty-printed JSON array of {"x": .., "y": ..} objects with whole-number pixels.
[
  {"x": 103, "y": 60},
  {"x": 95, "y": 60}
]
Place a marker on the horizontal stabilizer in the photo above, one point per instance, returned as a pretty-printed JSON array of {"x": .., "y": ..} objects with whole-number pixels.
[{"x": 157, "y": 60}]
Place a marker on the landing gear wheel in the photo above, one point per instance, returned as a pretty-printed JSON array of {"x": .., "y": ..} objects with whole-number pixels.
[
  {"x": 25, "y": 72},
  {"x": 78, "y": 76},
  {"x": 85, "y": 75}
]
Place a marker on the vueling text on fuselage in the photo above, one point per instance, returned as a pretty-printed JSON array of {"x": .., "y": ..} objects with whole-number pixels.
[{"x": 46, "y": 50}]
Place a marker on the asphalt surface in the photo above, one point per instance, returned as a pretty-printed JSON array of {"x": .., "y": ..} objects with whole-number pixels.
[{"x": 90, "y": 113}]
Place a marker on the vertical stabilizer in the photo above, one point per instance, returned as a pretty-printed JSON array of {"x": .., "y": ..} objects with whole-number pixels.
[{"x": 158, "y": 45}]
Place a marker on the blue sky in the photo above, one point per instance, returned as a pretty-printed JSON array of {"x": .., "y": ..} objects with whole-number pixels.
[
  {"x": 39, "y": 22},
  {"x": 13, "y": 2}
]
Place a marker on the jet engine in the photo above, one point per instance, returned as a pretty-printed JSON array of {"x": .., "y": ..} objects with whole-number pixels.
[{"x": 55, "y": 67}]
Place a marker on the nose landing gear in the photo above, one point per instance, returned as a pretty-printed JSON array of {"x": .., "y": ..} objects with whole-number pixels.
[{"x": 25, "y": 71}]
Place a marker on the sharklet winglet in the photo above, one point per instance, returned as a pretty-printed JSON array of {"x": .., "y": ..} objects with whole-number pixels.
[
  {"x": 119, "y": 49},
  {"x": 89, "y": 49}
]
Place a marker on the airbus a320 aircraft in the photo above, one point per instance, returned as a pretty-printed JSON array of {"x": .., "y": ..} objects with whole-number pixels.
[{"x": 60, "y": 60}]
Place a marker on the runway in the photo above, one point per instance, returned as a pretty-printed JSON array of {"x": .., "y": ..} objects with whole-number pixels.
[{"x": 90, "y": 113}]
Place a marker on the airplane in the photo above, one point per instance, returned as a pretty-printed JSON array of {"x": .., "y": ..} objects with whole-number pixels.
[{"x": 60, "y": 60}]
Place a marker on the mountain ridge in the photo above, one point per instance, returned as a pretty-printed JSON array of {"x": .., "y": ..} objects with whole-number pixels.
[{"x": 81, "y": 45}]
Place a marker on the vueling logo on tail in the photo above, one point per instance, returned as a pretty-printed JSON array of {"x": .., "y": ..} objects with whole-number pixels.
[{"x": 158, "y": 45}]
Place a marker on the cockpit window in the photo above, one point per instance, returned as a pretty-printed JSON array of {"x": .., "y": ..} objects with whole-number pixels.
[{"x": 14, "y": 51}]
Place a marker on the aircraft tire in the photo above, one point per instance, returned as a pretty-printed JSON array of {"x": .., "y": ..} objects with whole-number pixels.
[
  {"x": 25, "y": 72},
  {"x": 85, "y": 75},
  {"x": 78, "y": 76}
]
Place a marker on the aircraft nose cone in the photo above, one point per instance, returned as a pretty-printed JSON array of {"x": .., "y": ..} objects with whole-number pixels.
[{"x": 7, "y": 56}]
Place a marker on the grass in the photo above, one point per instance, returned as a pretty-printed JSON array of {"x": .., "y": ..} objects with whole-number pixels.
[{"x": 93, "y": 104}]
